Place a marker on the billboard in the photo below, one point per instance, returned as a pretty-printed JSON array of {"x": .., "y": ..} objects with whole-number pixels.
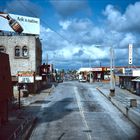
[{"x": 30, "y": 25}]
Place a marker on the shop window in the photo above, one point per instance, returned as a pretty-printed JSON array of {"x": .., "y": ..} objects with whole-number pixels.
[
  {"x": 25, "y": 51},
  {"x": 17, "y": 51},
  {"x": 2, "y": 49}
]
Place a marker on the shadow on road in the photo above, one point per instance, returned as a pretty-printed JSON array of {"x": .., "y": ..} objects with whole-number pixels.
[{"x": 56, "y": 111}]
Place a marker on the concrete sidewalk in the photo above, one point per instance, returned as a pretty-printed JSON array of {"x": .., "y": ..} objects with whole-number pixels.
[
  {"x": 122, "y": 101},
  {"x": 21, "y": 121}
]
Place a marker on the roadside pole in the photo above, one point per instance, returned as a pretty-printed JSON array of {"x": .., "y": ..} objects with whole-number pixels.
[
  {"x": 19, "y": 96},
  {"x": 90, "y": 80},
  {"x": 112, "y": 80}
]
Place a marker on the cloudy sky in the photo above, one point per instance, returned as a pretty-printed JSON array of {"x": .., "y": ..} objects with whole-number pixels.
[{"x": 80, "y": 33}]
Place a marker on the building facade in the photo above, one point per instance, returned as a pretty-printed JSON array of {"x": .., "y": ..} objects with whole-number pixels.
[
  {"x": 6, "y": 92},
  {"x": 25, "y": 53}
]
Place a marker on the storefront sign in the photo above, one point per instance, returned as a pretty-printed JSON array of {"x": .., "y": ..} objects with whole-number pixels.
[
  {"x": 128, "y": 71},
  {"x": 96, "y": 69},
  {"x": 25, "y": 77},
  {"x": 38, "y": 78},
  {"x": 136, "y": 73}
]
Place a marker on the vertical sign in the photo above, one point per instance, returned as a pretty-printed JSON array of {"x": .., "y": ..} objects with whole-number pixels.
[{"x": 130, "y": 53}]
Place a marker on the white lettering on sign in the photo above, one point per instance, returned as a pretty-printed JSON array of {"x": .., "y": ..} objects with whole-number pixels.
[
  {"x": 30, "y": 25},
  {"x": 25, "y": 79}
]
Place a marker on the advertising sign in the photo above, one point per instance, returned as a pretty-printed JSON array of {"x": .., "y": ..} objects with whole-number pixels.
[
  {"x": 96, "y": 69},
  {"x": 130, "y": 53},
  {"x": 25, "y": 77},
  {"x": 30, "y": 25},
  {"x": 136, "y": 72}
]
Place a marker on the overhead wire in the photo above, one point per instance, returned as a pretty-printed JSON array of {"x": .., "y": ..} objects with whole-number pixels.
[{"x": 44, "y": 22}]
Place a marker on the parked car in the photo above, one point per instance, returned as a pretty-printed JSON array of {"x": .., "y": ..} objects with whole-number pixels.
[
  {"x": 59, "y": 79},
  {"x": 82, "y": 80}
]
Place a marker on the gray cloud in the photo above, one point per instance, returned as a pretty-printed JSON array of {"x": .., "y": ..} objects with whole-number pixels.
[
  {"x": 67, "y": 8},
  {"x": 21, "y": 7}
]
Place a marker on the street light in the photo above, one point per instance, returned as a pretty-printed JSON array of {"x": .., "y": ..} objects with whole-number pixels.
[
  {"x": 12, "y": 22},
  {"x": 112, "y": 80}
]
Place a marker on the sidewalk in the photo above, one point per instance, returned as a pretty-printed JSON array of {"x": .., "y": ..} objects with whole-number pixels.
[
  {"x": 122, "y": 101},
  {"x": 21, "y": 121}
]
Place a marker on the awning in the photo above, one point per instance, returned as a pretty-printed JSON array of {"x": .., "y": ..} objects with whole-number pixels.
[{"x": 136, "y": 79}]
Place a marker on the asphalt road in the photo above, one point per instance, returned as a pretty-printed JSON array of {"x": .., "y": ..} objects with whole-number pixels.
[{"x": 77, "y": 111}]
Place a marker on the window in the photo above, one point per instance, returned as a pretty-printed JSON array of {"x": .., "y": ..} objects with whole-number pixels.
[
  {"x": 2, "y": 49},
  {"x": 17, "y": 51},
  {"x": 25, "y": 51}
]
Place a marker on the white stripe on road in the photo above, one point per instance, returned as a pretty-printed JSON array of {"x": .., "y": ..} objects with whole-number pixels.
[{"x": 82, "y": 112}]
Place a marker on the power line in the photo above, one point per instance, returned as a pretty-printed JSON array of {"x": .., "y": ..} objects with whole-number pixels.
[{"x": 44, "y": 22}]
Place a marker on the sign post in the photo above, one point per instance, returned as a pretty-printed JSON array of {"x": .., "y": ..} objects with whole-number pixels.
[
  {"x": 19, "y": 96},
  {"x": 112, "y": 81}
]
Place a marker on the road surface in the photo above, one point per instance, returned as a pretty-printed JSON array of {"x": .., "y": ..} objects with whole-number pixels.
[{"x": 77, "y": 111}]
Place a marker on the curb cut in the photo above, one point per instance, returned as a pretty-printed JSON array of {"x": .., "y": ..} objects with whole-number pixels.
[{"x": 132, "y": 115}]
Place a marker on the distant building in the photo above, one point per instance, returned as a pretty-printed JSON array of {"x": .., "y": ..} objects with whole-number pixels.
[{"x": 25, "y": 53}]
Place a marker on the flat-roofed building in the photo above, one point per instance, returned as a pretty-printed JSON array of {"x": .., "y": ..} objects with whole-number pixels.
[{"x": 25, "y": 53}]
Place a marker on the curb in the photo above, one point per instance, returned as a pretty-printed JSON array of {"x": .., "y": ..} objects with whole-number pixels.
[
  {"x": 28, "y": 131},
  {"x": 24, "y": 130},
  {"x": 127, "y": 111}
]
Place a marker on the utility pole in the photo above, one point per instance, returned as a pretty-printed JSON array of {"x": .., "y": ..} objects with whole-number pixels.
[
  {"x": 112, "y": 80},
  {"x": 90, "y": 80},
  {"x": 47, "y": 59}
]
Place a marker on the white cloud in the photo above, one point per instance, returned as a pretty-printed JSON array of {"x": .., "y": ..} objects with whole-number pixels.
[
  {"x": 74, "y": 41},
  {"x": 64, "y": 24},
  {"x": 128, "y": 38},
  {"x": 128, "y": 21}
]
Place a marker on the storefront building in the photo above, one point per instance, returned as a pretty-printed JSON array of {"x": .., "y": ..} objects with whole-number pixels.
[{"x": 25, "y": 54}]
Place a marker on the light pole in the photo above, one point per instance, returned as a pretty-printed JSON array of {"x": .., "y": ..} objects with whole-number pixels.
[
  {"x": 90, "y": 80},
  {"x": 12, "y": 22},
  {"x": 112, "y": 80}
]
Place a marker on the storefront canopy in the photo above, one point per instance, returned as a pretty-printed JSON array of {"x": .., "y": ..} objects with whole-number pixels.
[{"x": 136, "y": 79}]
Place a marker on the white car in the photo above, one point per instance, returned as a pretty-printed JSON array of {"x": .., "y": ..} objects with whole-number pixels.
[{"x": 82, "y": 80}]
